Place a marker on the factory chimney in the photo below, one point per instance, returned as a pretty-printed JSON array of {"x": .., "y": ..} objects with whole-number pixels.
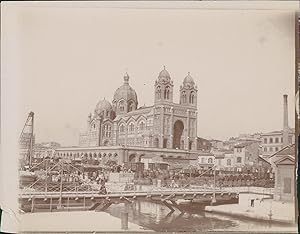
[{"x": 285, "y": 121}]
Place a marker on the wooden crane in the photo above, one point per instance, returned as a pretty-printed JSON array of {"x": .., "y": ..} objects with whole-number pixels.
[{"x": 26, "y": 140}]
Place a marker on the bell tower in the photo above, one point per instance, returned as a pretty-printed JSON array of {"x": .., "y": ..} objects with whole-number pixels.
[
  {"x": 188, "y": 92},
  {"x": 163, "y": 87}
]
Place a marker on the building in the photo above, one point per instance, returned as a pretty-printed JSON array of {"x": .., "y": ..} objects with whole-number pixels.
[
  {"x": 165, "y": 124},
  {"x": 274, "y": 141},
  {"x": 264, "y": 168},
  {"x": 217, "y": 144},
  {"x": 203, "y": 144},
  {"x": 246, "y": 155},
  {"x": 285, "y": 175},
  {"x": 206, "y": 160},
  {"x": 123, "y": 132}
]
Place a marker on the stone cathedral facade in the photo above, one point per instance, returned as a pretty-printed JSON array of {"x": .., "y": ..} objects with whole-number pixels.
[{"x": 165, "y": 124}]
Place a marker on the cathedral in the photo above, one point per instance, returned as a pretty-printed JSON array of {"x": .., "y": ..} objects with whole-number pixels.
[{"x": 165, "y": 124}]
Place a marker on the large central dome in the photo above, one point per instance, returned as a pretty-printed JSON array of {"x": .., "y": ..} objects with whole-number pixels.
[{"x": 126, "y": 95}]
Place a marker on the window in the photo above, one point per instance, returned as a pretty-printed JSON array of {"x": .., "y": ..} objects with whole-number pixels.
[
  {"x": 276, "y": 149},
  {"x": 131, "y": 127},
  {"x": 142, "y": 126},
  {"x": 287, "y": 185},
  {"x": 239, "y": 150},
  {"x": 183, "y": 97},
  {"x": 271, "y": 140},
  {"x": 130, "y": 106},
  {"x": 239, "y": 159},
  {"x": 167, "y": 93},
  {"x": 158, "y": 92},
  {"x": 109, "y": 131},
  {"x": 265, "y": 149},
  {"x": 228, "y": 162},
  {"x": 271, "y": 149},
  {"x": 121, "y": 106},
  {"x": 281, "y": 139},
  {"x": 104, "y": 131},
  {"x": 276, "y": 140},
  {"x": 122, "y": 129},
  {"x": 202, "y": 160},
  {"x": 210, "y": 160},
  {"x": 192, "y": 97},
  {"x": 265, "y": 140}
]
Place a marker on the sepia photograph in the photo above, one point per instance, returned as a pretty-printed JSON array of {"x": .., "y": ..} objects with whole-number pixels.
[{"x": 148, "y": 118}]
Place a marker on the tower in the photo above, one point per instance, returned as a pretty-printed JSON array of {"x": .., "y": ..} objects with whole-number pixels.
[
  {"x": 188, "y": 92},
  {"x": 163, "y": 87},
  {"x": 285, "y": 121}
]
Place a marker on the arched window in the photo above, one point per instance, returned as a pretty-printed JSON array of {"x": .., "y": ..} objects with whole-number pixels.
[
  {"x": 183, "y": 97},
  {"x": 156, "y": 143},
  {"x": 192, "y": 98},
  {"x": 104, "y": 131},
  {"x": 239, "y": 159},
  {"x": 121, "y": 106},
  {"x": 131, "y": 127},
  {"x": 109, "y": 131},
  {"x": 158, "y": 92},
  {"x": 122, "y": 128},
  {"x": 167, "y": 92},
  {"x": 130, "y": 106},
  {"x": 228, "y": 162},
  {"x": 142, "y": 126},
  {"x": 210, "y": 160}
]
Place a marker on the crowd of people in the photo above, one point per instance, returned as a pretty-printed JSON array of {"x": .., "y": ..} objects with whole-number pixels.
[{"x": 97, "y": 176}]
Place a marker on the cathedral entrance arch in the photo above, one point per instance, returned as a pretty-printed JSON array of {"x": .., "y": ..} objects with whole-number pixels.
[{"x": 178, "y": 130}]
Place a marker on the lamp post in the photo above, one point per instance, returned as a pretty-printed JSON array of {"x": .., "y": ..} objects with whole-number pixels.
[
  {"x": 61, "y": 186},
  {"x": 214, "y": 191}
]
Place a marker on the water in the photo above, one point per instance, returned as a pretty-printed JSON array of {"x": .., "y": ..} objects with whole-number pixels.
[{"x": 157, "y": 217}]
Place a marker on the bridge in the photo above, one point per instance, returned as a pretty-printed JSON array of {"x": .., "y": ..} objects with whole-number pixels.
[{"x": 32, "y": 201}]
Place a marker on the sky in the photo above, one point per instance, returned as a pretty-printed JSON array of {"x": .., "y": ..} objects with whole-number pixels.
[{"x": 68, "y": 59}]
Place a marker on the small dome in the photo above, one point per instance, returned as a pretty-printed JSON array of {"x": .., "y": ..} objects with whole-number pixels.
[
  {"x": 164, "y": 74},
  {"x": 103, "y": 106},
  {"x": 125, "y": 92},
  {"x": 188, "y": 80}
]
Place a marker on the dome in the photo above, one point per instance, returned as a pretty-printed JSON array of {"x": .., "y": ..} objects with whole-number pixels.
[
  {"x": 164, "y": 75},
  {"x": 188, "y": 80},
  {"x": 125, "y": 92},
  {"x": 103, "y": 105}
]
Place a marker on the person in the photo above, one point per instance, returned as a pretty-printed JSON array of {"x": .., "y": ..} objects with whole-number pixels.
[{"x": 103, "y": 188}]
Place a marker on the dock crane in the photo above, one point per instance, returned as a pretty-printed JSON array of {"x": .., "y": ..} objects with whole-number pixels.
[{"x": 26, "y": 140}]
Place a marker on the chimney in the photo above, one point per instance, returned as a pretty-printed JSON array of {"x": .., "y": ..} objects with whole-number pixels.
[{"x": 285, "y": 121}]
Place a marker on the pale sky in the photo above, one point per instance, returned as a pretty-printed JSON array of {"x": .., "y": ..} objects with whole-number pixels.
[{"x": 67, "y": 59}]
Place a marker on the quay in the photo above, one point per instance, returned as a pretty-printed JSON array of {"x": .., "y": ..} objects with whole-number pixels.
[{"x": 258, "y": 207}]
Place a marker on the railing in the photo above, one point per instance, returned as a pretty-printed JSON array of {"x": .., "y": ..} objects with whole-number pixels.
[{"x": 122, "y": 192}]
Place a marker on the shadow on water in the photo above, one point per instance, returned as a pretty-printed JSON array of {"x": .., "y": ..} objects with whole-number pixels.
[{"x": 157, "y": 217}]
